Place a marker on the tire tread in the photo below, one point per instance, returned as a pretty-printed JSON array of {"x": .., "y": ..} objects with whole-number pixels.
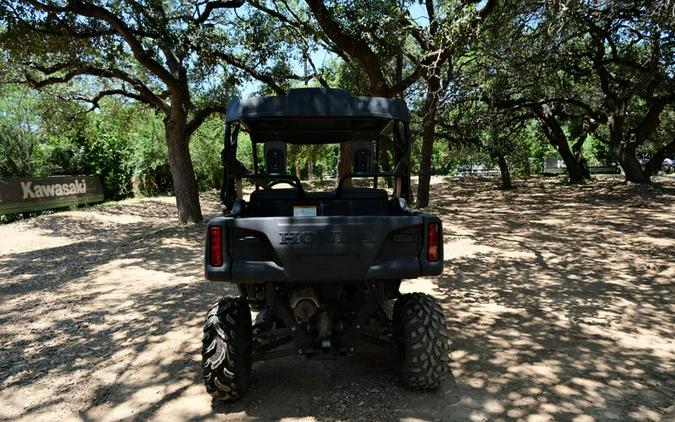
[
  {"x": 226, "y": 349},
  {"x": 420, "y": 322}
]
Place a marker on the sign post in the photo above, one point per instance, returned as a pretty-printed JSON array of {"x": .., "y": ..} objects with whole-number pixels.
[{"x": 23, "y": 194}]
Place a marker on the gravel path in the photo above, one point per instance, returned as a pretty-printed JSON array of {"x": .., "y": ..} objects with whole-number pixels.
[{"x": 560, "y": 301}]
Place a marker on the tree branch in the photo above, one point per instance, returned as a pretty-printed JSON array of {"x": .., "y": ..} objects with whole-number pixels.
[
  {"x": 353, "y": 46},
  {"x": 73, "y": 69},
  {"x": 262, "y": 77},
  {"x": 89, "y": 10},
  {"x": 652, "y": 118},
  {"x": 111, "y": 92},
  {"x": 317, "y": 75},
  {"x": 200, "y": 116},
  {"x": 654, "y": 163},
  {"x": 214, "y": 5}
]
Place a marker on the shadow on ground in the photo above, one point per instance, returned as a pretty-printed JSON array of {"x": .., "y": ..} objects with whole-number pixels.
[{"x": 559, "y": 299}]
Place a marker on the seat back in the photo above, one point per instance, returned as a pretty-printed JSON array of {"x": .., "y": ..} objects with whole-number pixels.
[{"x": 365, "y": 201}]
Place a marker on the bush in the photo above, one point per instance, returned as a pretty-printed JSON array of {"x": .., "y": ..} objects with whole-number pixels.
[
  {"x": 149, "y": 160},
  {"x": 205, "y": 148},
  {"x": 17, "y": 149}
]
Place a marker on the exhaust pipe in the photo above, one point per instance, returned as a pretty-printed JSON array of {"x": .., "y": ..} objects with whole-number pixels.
[{"x": 304, "y": 302}]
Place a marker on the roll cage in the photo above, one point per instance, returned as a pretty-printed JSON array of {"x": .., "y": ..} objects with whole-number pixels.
[{"x": 317, "y": 116}]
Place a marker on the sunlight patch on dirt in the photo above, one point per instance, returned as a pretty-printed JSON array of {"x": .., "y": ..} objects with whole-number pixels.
[{"x": 559, "y": 299}]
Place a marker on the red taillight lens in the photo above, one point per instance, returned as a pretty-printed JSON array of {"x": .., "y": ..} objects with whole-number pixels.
[
  {"x": 216, "y": 243},
  {"x": 433, "y": 236}
]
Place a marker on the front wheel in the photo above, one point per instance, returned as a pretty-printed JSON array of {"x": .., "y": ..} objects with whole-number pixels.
[
  {"x": 226, "y": 349},
  {"x": 423, "y": 334}
]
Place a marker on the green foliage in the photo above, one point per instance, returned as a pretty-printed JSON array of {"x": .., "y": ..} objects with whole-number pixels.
[
  {"x": 598, "y": 152},
  {"x": 61, "y": 154},
  {"x": 539, "y": 147},
  {"x": 205, "y": 147},
  {"x": 527, "y": 54},
  {"x": 17, "y": 148},
  {"x": 18, "y": 141},
  {"x": 106, "y": 148},
  {"x": 349, "y": 76},
  {"x": 148, "y": 160},
  {"x": 123, "y": 143},
  {"x": 321, "y": 159}
]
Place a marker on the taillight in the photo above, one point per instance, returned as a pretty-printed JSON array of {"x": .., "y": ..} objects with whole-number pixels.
[
  {"x": 433, "y": 236},
  {"x": 216, "y": 242}
]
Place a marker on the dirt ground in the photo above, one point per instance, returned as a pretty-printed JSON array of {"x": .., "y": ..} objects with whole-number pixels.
[{"x": 560, "y": 302}]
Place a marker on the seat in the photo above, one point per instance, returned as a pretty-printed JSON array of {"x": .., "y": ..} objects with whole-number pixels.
[
  {"x": 287, "y": 194},
  {"x": 364, "y": 201},
  {"x": 364, "y": 193}
]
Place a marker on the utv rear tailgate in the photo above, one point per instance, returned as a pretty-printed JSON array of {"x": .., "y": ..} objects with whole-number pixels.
[{"x": 324, "y": 248}]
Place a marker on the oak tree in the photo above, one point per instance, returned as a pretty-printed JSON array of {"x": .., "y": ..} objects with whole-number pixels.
[{"x": 145, "y": 51}]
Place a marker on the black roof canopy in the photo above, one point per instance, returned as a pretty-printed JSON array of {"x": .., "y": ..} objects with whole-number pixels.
[
  {"x": 315, "y": 115},
  {"x": 317, "y": 102}
]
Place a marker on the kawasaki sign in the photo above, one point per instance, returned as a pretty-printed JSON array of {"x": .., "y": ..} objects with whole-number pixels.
[{"x": 21, "y": 194}]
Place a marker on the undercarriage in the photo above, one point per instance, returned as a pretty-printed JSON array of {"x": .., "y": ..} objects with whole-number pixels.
[{"x": 320, "y": 318}]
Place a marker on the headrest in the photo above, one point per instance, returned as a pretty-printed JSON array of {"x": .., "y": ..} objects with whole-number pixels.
[
  {"x": 275, "y": 157},
  {"x": 362, "y": 156}
]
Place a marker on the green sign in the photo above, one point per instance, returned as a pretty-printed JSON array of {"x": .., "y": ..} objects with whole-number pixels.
[{"x": 22, "y": 194}]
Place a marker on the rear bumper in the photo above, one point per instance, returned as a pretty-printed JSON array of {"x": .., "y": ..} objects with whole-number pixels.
[{"x": 323, "y": 249}]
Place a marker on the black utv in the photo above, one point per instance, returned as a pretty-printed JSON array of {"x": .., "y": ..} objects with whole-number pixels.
[{"x": 321, "y": 268}]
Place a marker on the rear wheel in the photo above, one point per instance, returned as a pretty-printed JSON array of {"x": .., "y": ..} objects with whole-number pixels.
[
  {"x": 226, "y": 349},
  {"x": 421, "y": 327}
]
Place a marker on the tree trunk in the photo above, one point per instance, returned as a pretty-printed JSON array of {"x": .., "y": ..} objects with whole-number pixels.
[
  {"x": 625, "y": 154},
  {"x": 182, "y": 172},
  {"x": 345, "y": 162},
  {"x": 298, "y": 169},
  {"x": 654, "y": 164},
  {"x": 582, "y": 164},
  {"x": 504, "y": 170},
  {"x": 310, "y": 170},
  {"x": 574, "y": 171},
  {"x": 556, "y": 137},
  {"x": 386, "y": 157},
  {"x": 625, "y": 151},
  {"x": 429, "y": 111}
]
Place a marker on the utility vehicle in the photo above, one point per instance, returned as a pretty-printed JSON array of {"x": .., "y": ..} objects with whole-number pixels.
[{"x": 321, "y": 268}]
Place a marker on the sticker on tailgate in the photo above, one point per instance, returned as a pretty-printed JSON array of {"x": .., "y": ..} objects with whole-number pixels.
[{"x": 304, "y": 211}]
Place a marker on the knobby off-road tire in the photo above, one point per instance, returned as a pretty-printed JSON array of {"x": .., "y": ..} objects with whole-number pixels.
[
  {"x": 226, "y": 349},
  {"x": 424, "y": 348}
]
